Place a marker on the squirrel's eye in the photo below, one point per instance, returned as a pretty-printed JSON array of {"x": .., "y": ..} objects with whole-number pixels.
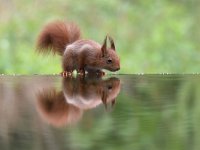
[{"x": 109, "y": 61}]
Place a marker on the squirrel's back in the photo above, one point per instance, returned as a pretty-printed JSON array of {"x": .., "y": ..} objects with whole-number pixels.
[
  {"x": 56, "y": 35},
  {"x": 83, "y": 44}
]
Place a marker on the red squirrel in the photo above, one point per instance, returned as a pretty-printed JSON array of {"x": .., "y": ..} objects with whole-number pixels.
[{"x": 78, "y": 54}]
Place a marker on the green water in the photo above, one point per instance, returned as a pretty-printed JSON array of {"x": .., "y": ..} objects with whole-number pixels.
[{"x": 148, "y": 112}]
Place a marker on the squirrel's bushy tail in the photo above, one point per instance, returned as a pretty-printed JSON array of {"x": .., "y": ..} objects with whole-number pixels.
[{"x": 56, "y": 35}]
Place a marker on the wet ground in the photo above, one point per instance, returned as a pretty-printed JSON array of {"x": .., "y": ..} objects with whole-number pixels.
[{"x": 150, "y": 112}]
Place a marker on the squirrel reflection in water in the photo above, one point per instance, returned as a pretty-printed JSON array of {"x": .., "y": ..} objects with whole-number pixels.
[{"x": 65, "y": 107}]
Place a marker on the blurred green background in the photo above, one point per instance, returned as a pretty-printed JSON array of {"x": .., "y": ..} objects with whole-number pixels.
[{"x": 151, "y": 36}]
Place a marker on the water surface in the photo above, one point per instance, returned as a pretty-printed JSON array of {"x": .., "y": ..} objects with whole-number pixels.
[{"x": 116, "y": 112}]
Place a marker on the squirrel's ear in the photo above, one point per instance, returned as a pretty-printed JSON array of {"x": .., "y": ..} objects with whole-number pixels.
[
  {"x": 104, "y": 47},
  {"x": 112, "y": 44}
]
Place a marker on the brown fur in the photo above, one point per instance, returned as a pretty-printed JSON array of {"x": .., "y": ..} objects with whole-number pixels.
[
  {"x": 56, "y": 36},
  {"x": 81, "y": 55}
]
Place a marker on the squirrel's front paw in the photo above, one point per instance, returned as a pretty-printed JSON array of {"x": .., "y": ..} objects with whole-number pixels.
[
  {"x": 81, "y": 72},
  {"x": 100, "y": 73}
]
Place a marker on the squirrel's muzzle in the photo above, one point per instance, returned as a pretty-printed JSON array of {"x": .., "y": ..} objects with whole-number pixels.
[{"x": 117, "y": 69}]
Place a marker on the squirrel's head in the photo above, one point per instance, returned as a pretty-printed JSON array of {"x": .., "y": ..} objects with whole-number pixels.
[{"x": 110, "y": 59}]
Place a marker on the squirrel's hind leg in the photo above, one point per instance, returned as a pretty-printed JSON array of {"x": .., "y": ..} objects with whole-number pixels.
[
  {"x": 67, "y": 70},
  {"x": 67, "y": 65},
  {"x": 66, "y": 73}
]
